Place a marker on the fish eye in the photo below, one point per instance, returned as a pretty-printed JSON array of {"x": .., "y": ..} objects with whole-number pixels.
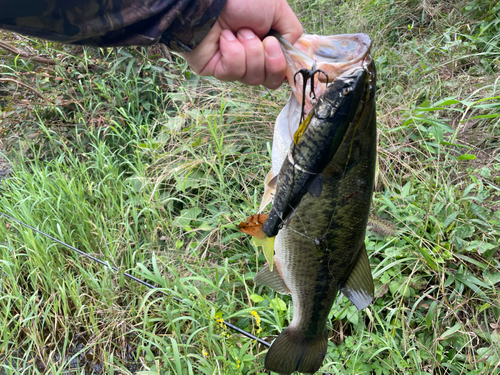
[{"x": 346, "y": 90}]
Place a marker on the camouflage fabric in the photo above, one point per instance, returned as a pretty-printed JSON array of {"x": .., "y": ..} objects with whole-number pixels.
[{"x": 180, "y": 24}]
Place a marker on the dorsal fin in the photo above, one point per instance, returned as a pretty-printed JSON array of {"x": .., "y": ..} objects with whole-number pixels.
[{"x": 359, "y": 287}]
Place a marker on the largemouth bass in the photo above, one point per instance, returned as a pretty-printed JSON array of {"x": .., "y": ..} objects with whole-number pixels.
[{"x": 320, "y": 248}]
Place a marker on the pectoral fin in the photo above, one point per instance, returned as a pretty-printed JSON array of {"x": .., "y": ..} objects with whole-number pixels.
[
  {"x": 271, "y": 279},
  {"x": 269, "y": 190},
  {"x": 359, "y": 287}
]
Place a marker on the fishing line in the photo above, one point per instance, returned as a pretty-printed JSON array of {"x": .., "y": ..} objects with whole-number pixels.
[{"x": 150, "y": 286}]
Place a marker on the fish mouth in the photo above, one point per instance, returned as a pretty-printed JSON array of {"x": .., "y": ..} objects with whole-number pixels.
[{"x": 333, "y": 55}]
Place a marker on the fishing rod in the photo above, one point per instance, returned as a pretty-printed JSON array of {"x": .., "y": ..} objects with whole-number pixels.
[{"x": 132, "y": 277}]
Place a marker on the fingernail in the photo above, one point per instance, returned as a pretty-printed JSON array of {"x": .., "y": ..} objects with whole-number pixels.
[
  {"x": 247, "y": 34},
  {"x": 228, "y": 35},
  {"x": 273, "y": 50}
]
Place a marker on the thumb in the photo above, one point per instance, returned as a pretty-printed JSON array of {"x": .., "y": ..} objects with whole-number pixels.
[{"x": 286, "y": 22}]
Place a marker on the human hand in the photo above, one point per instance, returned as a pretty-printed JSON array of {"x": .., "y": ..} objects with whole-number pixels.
[{"x": 233, "y": 49}]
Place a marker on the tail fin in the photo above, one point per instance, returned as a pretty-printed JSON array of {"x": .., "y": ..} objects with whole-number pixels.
[{"x": 292, "y": 351}]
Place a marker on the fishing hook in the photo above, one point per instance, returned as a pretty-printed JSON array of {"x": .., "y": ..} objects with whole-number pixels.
[{"x": 307, "y": 74}]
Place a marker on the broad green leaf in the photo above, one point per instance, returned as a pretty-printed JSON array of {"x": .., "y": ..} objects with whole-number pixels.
[
  {"x": 256, "y": 298},
  {"x": 484, "y": 99},
  {"x": 492, "y": 115},
  {"x": 136, "y": 183},
  {"x": 430, "y": 314},
  {"x": 450, "y": 218},
  {"x": 466, "y": 157},
  {"x": 492, "y": 278},
  {"x": 425, "y": 104},
  {"x": 479, "y": 246},
  {"x": 438, "y": 133},
  {"x": 406, "y": 189},
  {"x": 440, "y": 124},
  {"x": 472, "y": 261},
  {"x": 188, "y": 215},
  {"x": 278, "y": 304},
  {"x": 473, "y": 283},
  {"x": 267, "y": 248},
  {"x": 455, "y": 144},
  {"x": 484, "y": 307},
  {"x": 430, "y": 109},
  {"x": 449, "y": 332},
  {"x": 428, "y": 258},
  {"x": 448, "y": 102}
]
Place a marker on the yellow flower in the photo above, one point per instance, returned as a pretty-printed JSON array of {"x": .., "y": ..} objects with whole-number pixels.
[
  {"x": 257, "y": 320},
  {"x": 220, "y": 321}
]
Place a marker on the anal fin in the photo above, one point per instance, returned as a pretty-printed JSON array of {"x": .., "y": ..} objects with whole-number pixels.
[
  {"x": 359, "y": 287},
  {"x": 271, "y": 279}
]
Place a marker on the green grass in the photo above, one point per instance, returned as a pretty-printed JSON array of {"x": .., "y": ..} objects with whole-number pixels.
[{"x": 136, "y": 160}]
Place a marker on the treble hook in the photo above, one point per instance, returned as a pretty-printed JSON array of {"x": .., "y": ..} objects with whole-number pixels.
[{"x": 308, "y": 74}]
